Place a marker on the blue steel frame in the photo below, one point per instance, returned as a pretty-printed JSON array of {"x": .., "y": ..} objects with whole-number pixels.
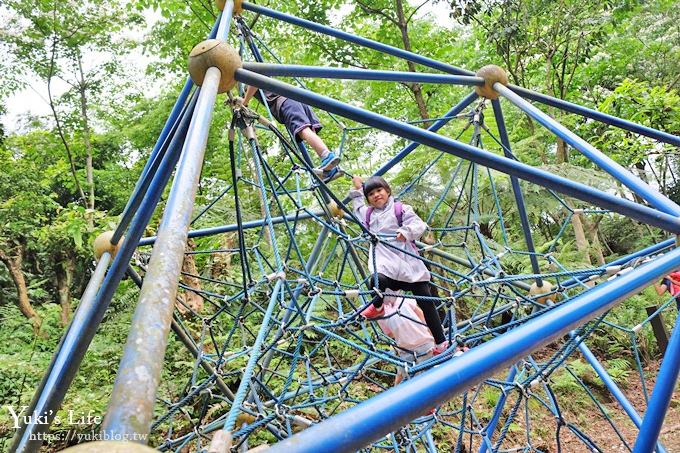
[
  {"x": 410, "y": 56},
  {"x": 130, "y": 411},
  {"x": 371, "y": 420},
  {"x": 362, "y": 424},
  {"x": 512, "y": 167}
]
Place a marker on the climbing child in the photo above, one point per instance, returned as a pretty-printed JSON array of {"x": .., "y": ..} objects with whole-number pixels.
[
  {"x": 670, "y": 283},
  {"x": 302, "y": 123},
  {"x": 404, "y": 321},
  {"x": 396, "y": 269}
]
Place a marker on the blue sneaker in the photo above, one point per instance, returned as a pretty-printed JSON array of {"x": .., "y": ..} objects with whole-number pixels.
[
  {"x": 329, "y": 162},
  {"x": 331, "y": 175}
]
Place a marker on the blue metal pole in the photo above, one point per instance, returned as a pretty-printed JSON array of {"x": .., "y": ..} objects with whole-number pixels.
[
  {"x": 517, "y": 191},
  {"x": 76, "y": 340},
  {"x": 386, "y": 412},
  {"x": 390, "y": 50},
  {"x": 498, "y": 411},
  {"x": 480, "y": 156},
  {"x": 400, "y": 53},
  {"x": 666, "y": 381},
  {"x": 611, "y": 385},
  {"x": 455, "y": 110},
  {"x": 598, "y": 116},
  {"x": 26, "y": 437},
  {"x": 602, "y": 160},
  {"x": 163, "y": 141},
  {"x": 280, "y": 70},
  {"x": 130, "y": 411}
]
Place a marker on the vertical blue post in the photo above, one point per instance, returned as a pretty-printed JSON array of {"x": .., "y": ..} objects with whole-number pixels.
[
  {"x": 666, "y": 381},
  {"x": 517, "y": 190}
]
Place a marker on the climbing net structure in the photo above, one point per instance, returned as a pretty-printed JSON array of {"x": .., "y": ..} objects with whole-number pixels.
[{"x": 280, "y": 354}]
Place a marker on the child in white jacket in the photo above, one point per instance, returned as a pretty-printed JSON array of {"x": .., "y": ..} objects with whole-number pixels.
[
  {"x": 396, "y": 269},
  {"x": 403, "y": 321}
]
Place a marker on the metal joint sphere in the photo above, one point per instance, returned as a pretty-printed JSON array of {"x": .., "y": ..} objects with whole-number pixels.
[
  {"x": 218, "y": 54},
  {"x": 491, "y": 74}
]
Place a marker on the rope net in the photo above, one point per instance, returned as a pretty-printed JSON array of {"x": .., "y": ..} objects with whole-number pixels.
[{"x": 268, "y": 330}]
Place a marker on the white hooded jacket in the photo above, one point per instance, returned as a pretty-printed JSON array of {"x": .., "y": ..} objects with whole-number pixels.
[{"x": 389, "y": 261}]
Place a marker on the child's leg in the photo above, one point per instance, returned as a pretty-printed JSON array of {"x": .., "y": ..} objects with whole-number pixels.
[
  {"x": 432, "y": 319},
  {"x": 384, "y": 282},
  {"x": 312, "y": 139}
]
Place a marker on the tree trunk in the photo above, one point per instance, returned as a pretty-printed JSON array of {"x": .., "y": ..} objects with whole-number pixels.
[
  {"x": 65, "y": 269},
  {"x": 596, "y": 246},
  {"x": 191, "y": 299},
  {"x": 89, "y": 171},
  {"x": 221, "y": 262},
  {"x": 579, "y": 232},
  {"x": 55, "y": 115},
  {"x": 414, "y": 87},
  {"x": 562, "y": 153},
  {"x": 13, "y": 264}
]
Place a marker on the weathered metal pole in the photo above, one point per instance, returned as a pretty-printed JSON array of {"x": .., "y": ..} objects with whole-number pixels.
[{"x": 130, "y": 411}]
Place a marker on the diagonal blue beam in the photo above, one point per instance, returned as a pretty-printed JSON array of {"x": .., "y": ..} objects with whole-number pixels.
[
  {"x": 598, "y": 157},
  {"x": 431, "y": 63},
  {"x": 455, "y": 110},
  {"x": 477, "y": 155},
  {"x": 666, "y": 381},
  {"x": 386, "y": 412},
  {"x": 280, "y": 70}
]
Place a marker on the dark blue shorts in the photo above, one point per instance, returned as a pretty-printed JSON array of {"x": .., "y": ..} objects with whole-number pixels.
[{"x": 296, "y": 116}]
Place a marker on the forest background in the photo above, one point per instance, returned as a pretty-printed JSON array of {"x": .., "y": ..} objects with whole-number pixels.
[{"x": 66, "y": 175}]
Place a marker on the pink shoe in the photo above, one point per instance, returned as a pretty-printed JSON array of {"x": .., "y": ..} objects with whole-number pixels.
[
  {"x": 372, "y": 312},
  {"x": 441, "y": 347},
  {"x": 430, "y": 412}
]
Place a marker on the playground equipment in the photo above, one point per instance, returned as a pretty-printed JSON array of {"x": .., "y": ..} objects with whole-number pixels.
[{"x": 314, "y": 365}]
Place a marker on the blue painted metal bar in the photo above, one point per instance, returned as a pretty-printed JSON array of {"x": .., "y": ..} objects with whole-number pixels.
[
  {"x": 509, "y": 166},
  {"x": 455, "y": 110},
  {"x": 280, "y": 70},
  {"x": 130, "y": 411},
  {"x": 386, "y": 412},
  {"x": 598, "y": 116},
  {"x": 25, "y": 439},
  {"x": 666, "y": 381},
  {"x": 86, "y": 320},
  {"x": 390, "y": 50},
  {"x": 613, "y": 388},
  {"x": 599, "y": 158},
  {"x": 400, "y": 53},
  {"x": 163, "y": 141},
  {"x": 233, "y": 227},
  {"x": 517, "y": 191},
  {"x": 498, "y": 411}
]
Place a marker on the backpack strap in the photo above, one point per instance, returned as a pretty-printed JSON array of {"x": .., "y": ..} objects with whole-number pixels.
[
  {"x": 399, "y": 211},
  {"x": 367, "y": 220}
]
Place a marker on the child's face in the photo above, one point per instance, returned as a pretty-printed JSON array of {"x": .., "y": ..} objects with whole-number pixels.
[{"x": 378, "y": 197}]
